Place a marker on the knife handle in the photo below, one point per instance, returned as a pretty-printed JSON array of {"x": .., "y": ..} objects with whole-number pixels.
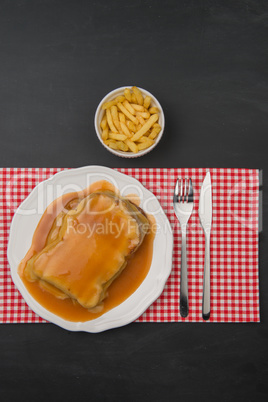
[
  {"x": 206, "y": 280},
  {"x": 184, "y": 303}
]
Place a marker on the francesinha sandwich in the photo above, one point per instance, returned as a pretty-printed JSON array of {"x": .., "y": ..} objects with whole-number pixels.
[{"x": 88, "y": 247}]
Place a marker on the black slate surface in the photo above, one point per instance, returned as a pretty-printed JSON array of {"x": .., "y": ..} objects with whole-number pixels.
[{"x": 206, "y": 62}]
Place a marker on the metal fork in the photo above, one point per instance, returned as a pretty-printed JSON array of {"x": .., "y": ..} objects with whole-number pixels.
[{"x": 183, "y": 203}]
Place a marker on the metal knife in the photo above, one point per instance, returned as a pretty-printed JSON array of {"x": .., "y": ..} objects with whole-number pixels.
[{"x": 205, "y": 216}]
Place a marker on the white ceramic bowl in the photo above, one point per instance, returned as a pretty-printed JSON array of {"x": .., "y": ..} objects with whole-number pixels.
[{"x": 99, "y": 115}]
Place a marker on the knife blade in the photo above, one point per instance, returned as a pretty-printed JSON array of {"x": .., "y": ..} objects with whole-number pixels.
[{"x": 205, "y": 216}]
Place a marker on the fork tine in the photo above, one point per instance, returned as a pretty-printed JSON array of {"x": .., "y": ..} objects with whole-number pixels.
[
  {"x": 185, "y": 191},
  {"x": 181, "y": 191},
  {"x": 191, "y": 192},
  {"x": 176, "y": 191}
]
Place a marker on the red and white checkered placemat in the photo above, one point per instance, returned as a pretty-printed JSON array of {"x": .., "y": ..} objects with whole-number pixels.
[{"x": 234, "y": 244}]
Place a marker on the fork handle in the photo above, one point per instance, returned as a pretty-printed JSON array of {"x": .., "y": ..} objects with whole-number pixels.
[
  {"x": 206, "y": 280},
  {"x": 184, "y": 303}
]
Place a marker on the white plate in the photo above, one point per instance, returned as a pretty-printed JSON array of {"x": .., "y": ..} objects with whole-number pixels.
[{"x": 29, "y": 213}]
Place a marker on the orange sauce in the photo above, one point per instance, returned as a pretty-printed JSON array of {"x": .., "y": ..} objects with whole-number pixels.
[{"x": 122, "y": 287}]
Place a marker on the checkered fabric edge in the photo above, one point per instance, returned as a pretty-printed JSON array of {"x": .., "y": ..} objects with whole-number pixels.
[{"x": 234, "y": 243}]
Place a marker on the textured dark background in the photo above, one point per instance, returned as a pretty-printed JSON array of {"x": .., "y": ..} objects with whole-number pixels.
[{"x": 206, "y": 61}]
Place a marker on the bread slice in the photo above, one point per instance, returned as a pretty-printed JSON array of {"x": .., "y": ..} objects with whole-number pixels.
[{"x": 88, "y": 247}]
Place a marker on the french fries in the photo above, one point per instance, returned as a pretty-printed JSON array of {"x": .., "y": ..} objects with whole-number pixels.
[
  {"x": 146, "y": 127},
  {"x": 130, "y": 122}
]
